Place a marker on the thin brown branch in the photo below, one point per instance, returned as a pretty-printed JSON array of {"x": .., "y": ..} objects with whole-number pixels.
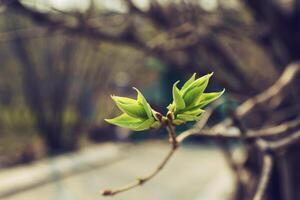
[
  {"x": 264, "y": 177},
  {"x": 207, "y": 134},
  {"x": 223, "y": 132},
  {"x": 276, "y": 130},
  {"x": 140, "y": 181},
  {"x": 280, "y": 130}
]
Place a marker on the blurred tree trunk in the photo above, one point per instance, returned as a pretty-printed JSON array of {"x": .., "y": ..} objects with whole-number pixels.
[
  {"x": 49, "y": 125},
  {"x": 47, "y": 100}
]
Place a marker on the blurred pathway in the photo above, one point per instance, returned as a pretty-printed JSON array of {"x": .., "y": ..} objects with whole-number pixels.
[{"x": 194, "y": 173}]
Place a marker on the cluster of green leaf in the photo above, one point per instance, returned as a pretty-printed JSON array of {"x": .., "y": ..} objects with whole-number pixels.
[
  {"x": 137, "y": 116},
  {"x": 190, "y": 99},
  {"x": 186, "y": 106}
]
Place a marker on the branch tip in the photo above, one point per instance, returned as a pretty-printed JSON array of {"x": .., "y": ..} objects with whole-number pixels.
[{"x": 107, "y": 193}]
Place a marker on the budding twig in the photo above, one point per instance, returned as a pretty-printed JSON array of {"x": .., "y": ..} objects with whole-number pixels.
[
  {"x": 140, "y": 181},
  {"x": 174, "y": 140}
]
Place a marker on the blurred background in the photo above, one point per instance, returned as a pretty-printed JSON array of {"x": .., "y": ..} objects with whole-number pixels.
[{"x": 60, "y": 60}]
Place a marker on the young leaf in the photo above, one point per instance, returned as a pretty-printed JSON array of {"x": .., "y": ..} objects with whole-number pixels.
[
  {"x": 125, "y": 121},
  {"x": 145, "y": 125},
  {"x": 156, "y": 124},
  {"x": 207, "y": 98},
  {"x": 186, "y": 117},
  {"x": 188, "y": 83},
  {"x": 192, "y": 96},
  {"x": 178, "y": 121},
  {"x": 195, "y": 112},
  {"x": 141, "y": 99},
  {"x": 130, "y": 107},
  {"x": 134, "y": 124},
  {"x": 123, "y": 100},
  {"x": 201, "y": 82},
  {"x": 178, "y": 100},
  {"x": 171, "y": 107}
]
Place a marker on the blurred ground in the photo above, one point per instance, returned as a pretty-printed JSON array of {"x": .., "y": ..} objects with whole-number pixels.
[{"x": 194, "y": 173}]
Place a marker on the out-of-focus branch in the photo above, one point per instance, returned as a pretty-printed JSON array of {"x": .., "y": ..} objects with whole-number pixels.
[
  {"x": 277, "y": 131},
  {"x": 275, "y": 91},
  {"x": 90, "y": 28},
  {"x": 264, "y": 177},
  {"x": 223, "y": 132},
  {"x": 140, "y": 181},
  {"x": 280, "y": 144},
  {"x": 176, "y": 37},
  {"x": 85, "y": 29}
]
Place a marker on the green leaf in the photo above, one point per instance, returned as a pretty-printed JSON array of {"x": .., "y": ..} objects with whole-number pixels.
[
  {"x": 195, "y": 112},
  {"x": 141, "y": 99},
  {"x": 178, "y": 121},
  {"x": 156, "y": 124},
  {"x": 186, "y": 117},
  {"x": 191, "y": 97},
  {"x": 201, "y": 82},
  {"x": 145, "y": 125},
  {"x": 207, "y": 98},
  {"x": 126, "y": 121},
  {"x": 130, "y": 107},
  {"x": 123, "y": 100},
  {"x": 171, "y": 107},
  {"x": 191, "y": 80},
  {"x": 190, "y": 115},
  {"x": 178, "y": 100},
  {"x": 195, "y": 107}
]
